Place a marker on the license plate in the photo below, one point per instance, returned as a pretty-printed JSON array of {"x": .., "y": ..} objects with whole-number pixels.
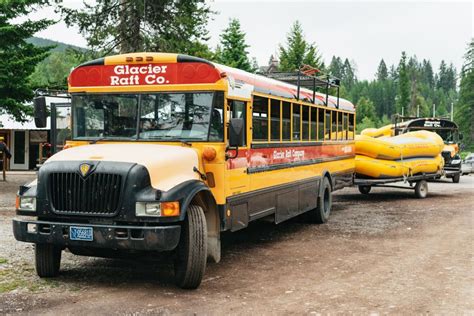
[{"x": 81, "y": 233}]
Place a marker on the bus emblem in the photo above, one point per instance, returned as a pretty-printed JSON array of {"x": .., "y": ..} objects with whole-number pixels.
[{"x": 84, "y": 169}]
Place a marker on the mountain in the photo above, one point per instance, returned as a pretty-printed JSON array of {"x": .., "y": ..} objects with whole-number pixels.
[{"x": 60, "y": 47}]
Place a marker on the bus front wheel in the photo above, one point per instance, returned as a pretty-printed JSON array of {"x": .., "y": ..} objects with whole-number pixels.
[
  {"x": 47, "y": 260},
  {"x": 321, "y": 213},
  {"x": 191, "y": 257}
]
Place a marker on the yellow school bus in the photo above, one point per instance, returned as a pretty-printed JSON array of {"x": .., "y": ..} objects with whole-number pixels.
[{"x": 170, "y": 150}]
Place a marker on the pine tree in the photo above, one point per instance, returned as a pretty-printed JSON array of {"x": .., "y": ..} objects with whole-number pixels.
[
  {"x": 336, "y": 67},
  {"x": 348, "y": 74},
  {"x": 136, "y": 25},
  {"x": 17, "y": 57},
  {"x": 465, "y": 106},
  {"x": 403, "y": 96},
  {"x": 298, "y": 51},
  {"x": 382, "y": 72},
  {"x": 234, "y": 49}
]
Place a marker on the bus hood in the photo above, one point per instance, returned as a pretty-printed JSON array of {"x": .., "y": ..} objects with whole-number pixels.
[{"x": 167, "y": 165}]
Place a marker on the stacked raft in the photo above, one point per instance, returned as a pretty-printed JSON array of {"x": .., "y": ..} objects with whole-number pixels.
[{"x": 378, "y": 155}]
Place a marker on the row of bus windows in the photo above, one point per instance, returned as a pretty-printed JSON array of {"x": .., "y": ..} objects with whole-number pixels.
[{"x": 275, "y": 120}]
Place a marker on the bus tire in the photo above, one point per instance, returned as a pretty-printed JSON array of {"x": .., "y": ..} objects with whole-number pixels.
[
  {"x": 320, "y": 214},
  {"x": 191, "y": 257},
  {"x": 421, "y": 189},
  {"x": 364, "y": 189},
  {"x": 47, "y": 260},
  {"x": 456, "y": 178}
]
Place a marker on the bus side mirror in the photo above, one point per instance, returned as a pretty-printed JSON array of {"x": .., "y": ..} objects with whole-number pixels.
[
  {"x": 236, "y": 132},
  {"x": 40, "y": 111}
]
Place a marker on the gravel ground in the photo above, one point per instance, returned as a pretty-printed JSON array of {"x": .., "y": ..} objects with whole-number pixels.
[{"x": 386, "y": 252}]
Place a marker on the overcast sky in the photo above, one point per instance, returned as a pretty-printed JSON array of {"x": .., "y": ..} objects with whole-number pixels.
[{"x": 362, "y": 31}]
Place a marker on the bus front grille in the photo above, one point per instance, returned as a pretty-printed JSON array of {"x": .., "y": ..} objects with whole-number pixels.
[{"x": 97, "y": 194}]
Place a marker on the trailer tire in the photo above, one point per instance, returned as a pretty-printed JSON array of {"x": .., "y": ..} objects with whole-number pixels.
[
  {"x": 320, "y": 214},
  {"x": 456, "y": 178},
  {"x": 47, "y": 260},
  {"x": 191, "y": 256},
  {"x": 365, "y": 189},
  {"x": 421, "y": 189}
]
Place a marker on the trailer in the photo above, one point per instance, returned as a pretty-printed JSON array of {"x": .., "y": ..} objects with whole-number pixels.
[{"x": 418, "y": 183}]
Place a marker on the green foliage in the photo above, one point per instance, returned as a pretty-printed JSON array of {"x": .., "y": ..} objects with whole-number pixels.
[
  {"x": 52, "y": 72},
  {"x": 135, "y": 25},
  {"x": 366, "y": 123},
  {"x": 365, "y": 109},
  {"x": 298, "y": 51},
  {"x": 17, "y": 57},
  {"x": 233, "y": 49},
  {"x": 58, "y": 46},
  {"x": 465, "y": 106}
]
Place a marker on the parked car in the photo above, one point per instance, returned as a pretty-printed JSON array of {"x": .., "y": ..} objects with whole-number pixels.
[{"x": 467, "y": 166}]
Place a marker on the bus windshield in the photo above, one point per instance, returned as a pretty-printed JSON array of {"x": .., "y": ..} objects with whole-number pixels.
[{"x": 155, "y": 116}]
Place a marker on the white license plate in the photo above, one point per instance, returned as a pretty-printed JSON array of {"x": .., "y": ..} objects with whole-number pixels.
[{"x": 81, "y": 233}]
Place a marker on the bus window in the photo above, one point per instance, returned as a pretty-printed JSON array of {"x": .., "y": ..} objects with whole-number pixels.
[
  {"x": 305, "y": 122},
  {"x": 321, "y": 124},
  {"x": 286, "y": 121},
  {"x": 260, "y": 119},
  {"x": 237, "y": 109},
  {"x": 340, "y": 126},
  {"x": 275, "y": 120},
  {"x": 314, "y": 121},
  {"x": 346, "y": 127},
  {"x": 351, "y": 126},
  {"x": 327, "y": 125},
  {"x": 296, "y": 122},
  {"x": 216, "y": 128},
  {"x": 334, "y": 125}
]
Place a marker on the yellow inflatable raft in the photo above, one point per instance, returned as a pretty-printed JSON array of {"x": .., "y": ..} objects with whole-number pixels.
[
  {"x": 378, "y": 168},
  {"x": 409, "y": 145},
  {"x": 385, "y": 131}
]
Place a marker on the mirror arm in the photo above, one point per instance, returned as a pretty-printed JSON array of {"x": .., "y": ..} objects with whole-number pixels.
[{"x": 227, "y": 156}]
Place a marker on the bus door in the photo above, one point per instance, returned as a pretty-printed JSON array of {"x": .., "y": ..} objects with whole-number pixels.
[
  {"x": 237, "y": 180},
  {"x": 60, "y": 125}
]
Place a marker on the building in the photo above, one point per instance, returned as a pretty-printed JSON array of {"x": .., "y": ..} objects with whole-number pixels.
[{"x": 25, "y": 139}]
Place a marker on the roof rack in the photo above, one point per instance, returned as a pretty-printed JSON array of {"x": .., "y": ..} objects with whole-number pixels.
[{"x": 310, "y": 78}]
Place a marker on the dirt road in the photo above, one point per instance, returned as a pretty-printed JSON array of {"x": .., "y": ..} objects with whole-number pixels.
[{"x": 386, "y": 253}]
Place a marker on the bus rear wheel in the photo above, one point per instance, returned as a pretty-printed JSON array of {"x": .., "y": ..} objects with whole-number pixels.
[
  {"x": 47, "y": 260},
  {"x": 320, "y": 214},
  {"x": 191, "y": 257}
]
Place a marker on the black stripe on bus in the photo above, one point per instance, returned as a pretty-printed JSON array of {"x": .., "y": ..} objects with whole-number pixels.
[
  {"x": 286, "y": 165},
  {"x": 95, "y": 62},
  {"x": 299, "y": 144},
  {"x": 191, "y": 59}
]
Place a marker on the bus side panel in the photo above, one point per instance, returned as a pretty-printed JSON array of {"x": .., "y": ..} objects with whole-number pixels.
[{"x": 279, "y": 203}]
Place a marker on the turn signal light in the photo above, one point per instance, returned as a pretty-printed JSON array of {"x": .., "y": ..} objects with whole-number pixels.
[
  {"x": 17, "y": 202},
  {"x": 169, "y": 208},
  {"x": 209, "y": 153}
]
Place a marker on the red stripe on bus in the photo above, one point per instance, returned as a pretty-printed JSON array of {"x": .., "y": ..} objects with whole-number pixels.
[{"x": 263, "y": 157}]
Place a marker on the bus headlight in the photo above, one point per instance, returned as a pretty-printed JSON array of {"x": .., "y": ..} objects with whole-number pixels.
[
  {"x": 27, "y": 203},
  {"x": 158, "y": 209}
]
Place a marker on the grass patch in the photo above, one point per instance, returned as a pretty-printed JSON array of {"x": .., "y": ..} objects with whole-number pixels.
[{"x": 3, "y": 261}]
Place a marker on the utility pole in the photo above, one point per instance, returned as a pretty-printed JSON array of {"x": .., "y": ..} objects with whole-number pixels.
[
  {"x": 452, "y": 111},
  {"x": 417, "y": 110},
  {"x": 434, "y": 110}
]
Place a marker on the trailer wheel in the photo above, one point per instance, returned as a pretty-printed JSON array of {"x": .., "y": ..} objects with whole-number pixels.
[
  {"x": 364, "y": 189},
  {"x": 190, "y": 263},
  {"x": 421, "y": 189},
  {"x": 47, "y": 260},
  {"x": 456, "y": 178}
]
